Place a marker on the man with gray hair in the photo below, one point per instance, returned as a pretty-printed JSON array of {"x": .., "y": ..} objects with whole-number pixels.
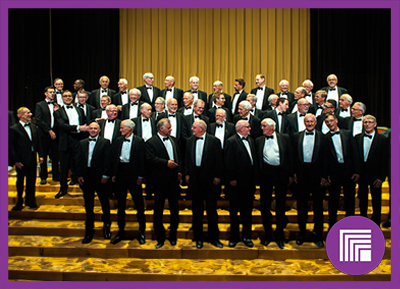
[
  {"x": 244, "y": 114},
  {"x": 122, "y": 97},
  {"x": 272, "y": 101},
  {"x": 128, "y": 173},
  {"x": 274, "y": 158},
  {"x": 197, "y": 94},
  {"x": 100, "y": 113},
  {"x": 171, "y": 91},
  {"x": 187, "y": 107},
  {"x": 252, "y": 98},
  {"x": 145, "y": 126},
  {"x": 198, "y": 109},
  {"x": 344, "y": 109},
  {"x": 334, "y": 91},
  {"x": 308, "y": 85},
  {"x": 295, "y": 120},
  {"x": 284, "y": 87},
  {"x": 132, "y": 109},
  {"x": 150, "y": 93},
  {"x": 221, "y": 129},
  {"x": 354, "y": 123},
  {"x": 159, "y": 111},
  {"x": 262, "y": 92},
  {"x": 217, "y": 87},
  {"x": 95, "y": 96}
]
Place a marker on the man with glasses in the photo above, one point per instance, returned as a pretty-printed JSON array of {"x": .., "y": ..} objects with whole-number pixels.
[
  {"x": 150, "y": 93},
  {"x": 344, "y": 109},
  {"x": 295, "y": 120},
  {"x": 219, "y": 102},
  {"x": 160, "y": 111},
  {"x": 334, "y": 91},
  {"x": 354, "y": 123},
  {"x": 318, "y": 108},
  {"x": 132, "y": 109}
]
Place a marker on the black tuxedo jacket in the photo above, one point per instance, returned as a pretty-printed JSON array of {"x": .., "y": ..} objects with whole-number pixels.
[
  {"x": 341, "y": 91},
  {"x": 259, "y": 113},
  {"x": 68, "y": 133},
  {"x": 94, "y": 98},
  {"x": 159, "y": 116},
  {"x": 292, "y": 123},
  {"x": 180, "y": 125},
  {"x": 88, "y": 113},
  {"x": 267, "y": 92},
  {"x": 43, "y": 119},
  {"x": 227, "y": 104},
  {"x": 349, "y": 123},
  {"x": 20, "y": 145},
  {"x": 211, "y": 162},
  {"x": 137, "y": 157},
  {"x": 101, "y": 158},
  {"x": 116, "y": 132},
  {"x": 178, "y": 95},
  {"x": 126, "y": 109},
  {"x": 238, "y": 165},
  {"x": 338, "y": 110},
  {"x": 318, "y": 160},
  {"x": 203, "y": 96},
  {"x": 116, "y": 98},
  {"x": 97, "y": 113},
  {"x": 242, "y": 96},
  {"x": 313, "y": 109},
  {"x": 157, "y": 159},
  {"x": 272, "y": 114},
  {"x": 188, "y": 121},
  {"x": 145, "y": 96},
  {"x": 377, "y": 162},
  {"x": 211, "y": 114},
  {"x": 138, "y": 126},
  {"x": 342, "y": 124},
  {"x": 229, "y": 129},
  {"x": 350, "y": 155},
  {"x": 289, "y": 96},
  {"x": 255, "y": 124},
  {"x": 75, "y": 96}
]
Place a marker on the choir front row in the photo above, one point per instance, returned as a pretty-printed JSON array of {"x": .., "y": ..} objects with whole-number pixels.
[{"x": 309, "y": 163}]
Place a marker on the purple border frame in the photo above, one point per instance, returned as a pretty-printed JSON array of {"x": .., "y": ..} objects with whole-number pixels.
[{"x": 395, "y": 77}]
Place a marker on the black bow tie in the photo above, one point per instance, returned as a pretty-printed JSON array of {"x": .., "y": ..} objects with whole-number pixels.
[
  {"x": 309, "y": 95},
  {"x": 332, "y": 89},
  {"x": 27, "y": 124},
  {"x": 145, "y": 119},
  {"x": 104, "y": 91},
  {"x": 123, "y": 92},
  {"x": 344, "y": 109},
  {"x": 111, "y": 120},
  {"x": 219, "y": 125},
  {"x": 368, "y": 136},
  {"x": 128, "y": 140},
  {"x": 245, "y": 138},
  {"x": 169, "y": 89},
  {"x": 133, "y": 103},
  {"x": 49, "y": 102},
  {"x": 197, "y": 116},
  {"x": 284, "y": 93},
  {"x": 194, "y": 91},
  {"x": 149, "y": 87},
  {"x": 302, "y": 115},
  {"x": 197, "y": 138},
  {"x": 58, "y": 92},
  {"x": 188, "y": 107},
  {"x": 280, "y": 113},
  {"x": 171, "y": 115},
  {"x": 269, "y": 137},
  {"x": 81, "y": 106},
  {"x": 357, "y": 119},
  {"x": 320, "y": 107},
  {"x": 165, "y": 138},
  {"x": 309, "y": 133},
  {"x": 251, "y": 110},
  {"x": 69, "y": 106},
  {"x": 244, "y": 118},
  {"x": 92, "y": 139},
  {"x": 103, "y": 108},
  {"x": 333, "y": 133},
  {"x": 260, "y": 88}
]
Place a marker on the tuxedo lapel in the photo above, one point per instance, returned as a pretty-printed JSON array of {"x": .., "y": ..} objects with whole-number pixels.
[
  {"x": 300, "y": 147},
  {"x": 281, "y": 153},
  {"x": 344, "y": 145},
  {"x": 317, "y": 146},
  {"x": 23, "y": 131}
]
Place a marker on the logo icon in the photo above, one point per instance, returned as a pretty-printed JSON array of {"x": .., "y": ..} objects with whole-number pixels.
[{"x": 355, "y": 245}]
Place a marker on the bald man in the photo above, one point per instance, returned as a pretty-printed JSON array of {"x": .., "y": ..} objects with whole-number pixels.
[{"x": 171, "y": 91}]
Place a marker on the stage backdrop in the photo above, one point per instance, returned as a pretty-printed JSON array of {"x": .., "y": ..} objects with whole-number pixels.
[{"x": 215, "y": 44}]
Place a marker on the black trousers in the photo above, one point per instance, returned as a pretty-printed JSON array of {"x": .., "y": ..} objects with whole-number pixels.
[
  {"x": 68, "y": 159},
  {"x": 161, "y": 193},
  {"x": 376, "y": 194},
  {"x": 92, "y": 184},
  {"x": 125, "y": 182},
  {"x": 50, "y": 147},
  {"x": 30, "y": 174}
]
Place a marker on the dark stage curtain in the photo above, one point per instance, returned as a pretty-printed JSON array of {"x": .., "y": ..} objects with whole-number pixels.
[
  {"x": 354, "y": 44},
  {"x": 85, "y": 44}
]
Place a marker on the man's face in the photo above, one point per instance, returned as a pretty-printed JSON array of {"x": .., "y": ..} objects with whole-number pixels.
[
  {"x": 94, "y": 129},
  {"x": 303, "y": 106},
  {"x": 125, "y": 130},
  {"x": 319, "y": 100},
  {"x": 187, "y": 100},
  {"x": 283, "y": 106},
  {"x": 310, "y": 122},
  {"x": 172, "y": 105},
  {"x": 169, "y": 83},
  {"x": 329, "y": 108},
  {"x": 67, "y": 98},
  {"x": 250, "y": 99},
  {"x": 356, "y": 111},
  {"x": 220, "y": 101},
  {"x": 260, "y": 81},
  {"x": 25, "y": 115},
  {"x": 273, "y": 101},
  {"x": 159, "y": 106},
  {"x": 331, "y": 123},
  {"x": 343, "y": 102},
  {"x": 104, "y": 82},
  {"x": 50, "y": 94},
  {"x": 267, "y": 130},
  {"x": 59, "y": 85},
  {"x": 332, "y": 81},
  {"x": 198, "y": 110},
  {"x": 149, "y": 80},
  {"x": 146, "y": 111},
  {"x": 197, "y": 130},
  {"x": 369, "y": 125},
  {"x": 242, "y": 111},
  {"x": 77, "y": 85},
  {"x": 112, "y": 113},
  {"x": 308, "y": 87},
  {"x": 245, "y": 130},
  {"x": 237, "y": 86},
  {"x": 133, "y": 96},
  {"x": 166, "y": 129},
  {"x": 217, "y": 87},
  {"x": 284, "y": 86},
  {"x": 194, "y": 84},
  {"x": 298, "y": 94},
  {"x": 220, "y": 117},
  {"x": 82, "y": 98},
  {"x": 122, "y": 86},
  {"x": 104, "y": 101}
]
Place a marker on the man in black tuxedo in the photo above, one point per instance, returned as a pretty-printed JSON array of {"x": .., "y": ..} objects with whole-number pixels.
[
  {"x": 344, "y": 109},
  {"x": 318, "y": 108},
  {"x": 239, "y": 95},
  {"x": 278, "y": 115},
  {"x": 94, "y": 171},
  {"x": 128, "y": 173},
  {"x": 272, "y": 101},
  {"x": 203, "y": 171},
  {"x": 334, "y": 91},
  {"x": 171, "y": 91},
  {"x": 198, "y": 109},
  {"x": 109, "y": 127},
  {"x": 274, "y": 157},
  {"x": 284, "y": 87},
  {"x": 149, "y": 92},
  {"x": 122, "y": 97},
  {"x": 187, "y": 107},
  {"x": 24, "y": 145},
  {"x": 219, "y": 102},
  {"x": 162, "y": 155},
  {"x": 176, "y": 119},
  {"x": 295, "y": 120},
  {"x": 217, "y": 87},
  {"x": 58, "y": 91},
  {"x": 308, "y": 85},
  {"x": 299, "y": 93},
  {"x": 82, "y": 103},
  {"x": 244, "y": 114},
  {"x": 343, "y": 167},
  {"x": 96, "y": 94},
  {"x": 354, "y": 123},
  {"x": 262, "y": 92},
  {"x": 221, "y": 129},
  {"x": 197, "y": 94},
  {"x": 48, "y": 133},
  {"x": 252, "y": 98},
  {"x": 159, "y": 111},
  {"x": 145, "y": 126},
  {"x": 79, "y": 85},
  {"x": 132, "y": 109},
  {"x": 240, "y": 162},
  {"x": 72, "y": 124},
  {"x": 311, "y": 176},
  {"x": 100, "y": 113},
  {"x": 373, "y": 151}
]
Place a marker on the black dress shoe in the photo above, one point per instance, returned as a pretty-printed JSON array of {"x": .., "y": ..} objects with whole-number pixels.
[
  {"x": 232, "y": 244},
  {"x": 17, "y": 208},
  {"x": 60, "y": 194},
  {"x": 217, "y": 244},
  {"x": 107, "y": 231},
  {"x": 116, "y": 239},
  {"x": 87, "y": 239},
  {"x": 248, "y": 242},
  {"x": 43, "y": 182},
  {"x": 172, "y": 242},
  {"x": 280, "y": 244},
  {"x": 141, "y": 238},
  {"x": 300, "y": 240},
  {"x": 72, "y": 182},
  {"x": 159, "y": 245},
  {"x": 33, "y": 207},
  {"x": 199, "y": 244},
  {"x": 266, "y": 242},
  {"x": 320, "y": 244}
]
